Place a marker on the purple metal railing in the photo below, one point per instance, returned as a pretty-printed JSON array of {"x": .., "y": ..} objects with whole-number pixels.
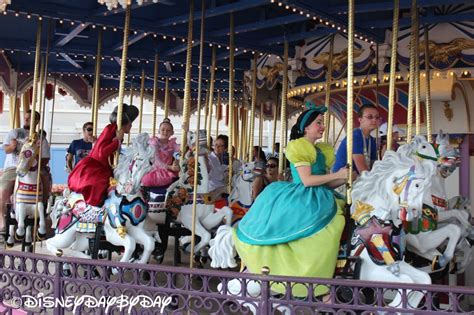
[{"x": 100, "y": 287}]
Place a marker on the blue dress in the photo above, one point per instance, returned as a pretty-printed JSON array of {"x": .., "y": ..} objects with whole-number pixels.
[{"x": 293, "y": 229}]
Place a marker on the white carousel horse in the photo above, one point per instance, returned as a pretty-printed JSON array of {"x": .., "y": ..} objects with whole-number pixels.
[
  {"x": 26, "y": 191},
  {"x": 433, "y": 229},
  {"x": 122, "y": 214},
  {"x": 392, "y": 192},
  {"x": 179, "y": 198},
  {"x": 240, "y": 198}
]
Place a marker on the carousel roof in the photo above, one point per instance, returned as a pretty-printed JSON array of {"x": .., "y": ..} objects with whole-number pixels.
[{"x": 261, "y": 27}]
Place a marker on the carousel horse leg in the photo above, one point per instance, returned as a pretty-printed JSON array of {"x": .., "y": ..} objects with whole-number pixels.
[
  {"x": 10, "y": 240},
  {"x": 185, "y": 218},
  {"x": 20, "y": 215},
  {"x": 42, "y": 225},
  {"x": 460, "y": 216},
  {"x": 127, "y": 241},
  {"x": 417, "y": 276},
  {"x": 57, "y": 243},
  {"x": 143, "y": 238},
  {"x": 214, "y": 219}
]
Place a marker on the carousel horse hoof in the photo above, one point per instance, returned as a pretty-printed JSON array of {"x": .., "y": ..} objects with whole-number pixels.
[
  {"x": 59, "y": 252},
  {"x": 453, "y": 266},
  {"x": 19, "y": 237},
  {"x": 203, "y": 260},
  {"x": 9, "y": 245},
  {"x": 438, "y": 263},
  {"x": 41, "y": 236},
  {"x": 159, "y": 257}
]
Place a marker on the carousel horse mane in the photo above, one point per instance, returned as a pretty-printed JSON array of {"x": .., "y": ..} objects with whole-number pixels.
[
  {"x": 134, "y": 163},
  {"x": 373, "y": 182},
  {"x": 27, "y": 156}
]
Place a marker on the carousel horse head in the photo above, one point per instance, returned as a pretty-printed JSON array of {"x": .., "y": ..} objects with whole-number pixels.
[
  {"x": 420, "y": 148},
  {"x": 393, "y": 189},
  {"x": 247, "y": 171},
  {"x": 450, "y": 157},
  {"x": 28, "y": 156},
  {"x": 193, "y": 139},
  {"x": 134, "y": 164}
]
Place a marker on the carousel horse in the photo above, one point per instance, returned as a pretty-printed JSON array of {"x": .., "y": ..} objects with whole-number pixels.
[
  {"x": 179, "y": 200},
  {"x": 27, "y": 197},
  {"x": 123, "y": 213},
  {"x": 240, "y": 198},
  {"x": 391, "y": 193},
  {"x": 432, "y": 229}
]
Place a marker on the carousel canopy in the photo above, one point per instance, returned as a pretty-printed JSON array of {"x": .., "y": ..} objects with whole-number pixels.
[{"x": 160, "y": 27}]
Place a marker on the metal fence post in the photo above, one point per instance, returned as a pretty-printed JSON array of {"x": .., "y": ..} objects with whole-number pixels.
[
  {"x": 58, "y": 287},
  {"x": 265, "y": 293}
]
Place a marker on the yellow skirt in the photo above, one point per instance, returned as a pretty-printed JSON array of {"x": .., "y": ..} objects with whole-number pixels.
[{"x": 313, "y": 256}]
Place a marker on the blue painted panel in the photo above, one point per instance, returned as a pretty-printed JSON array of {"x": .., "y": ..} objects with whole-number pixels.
[{"x": 57, "y": 164}]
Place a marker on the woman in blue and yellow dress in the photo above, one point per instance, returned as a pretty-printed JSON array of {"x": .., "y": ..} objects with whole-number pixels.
[{"x": 295, "y": 228}]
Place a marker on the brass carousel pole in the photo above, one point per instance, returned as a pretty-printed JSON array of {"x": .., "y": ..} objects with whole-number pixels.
[
  {"x": 417, "y": 77},
  {"x": 198, "y": 125},
  {"x": 142, "y": 95},
  {"x": 428, "y": 87},
  {"x": 155, "y": 94},
  {"x": 377, "y": 138},
  {"x": 393, "y": 70},
  {"x": 411, "y": 88},
  {"x": 131, "y": 103},
  {"x": 284, "y": 92},
  {"x": 218, "y": 111},
  {"x": 252, "y": 111},
  {"x": 123, "y": 73},
  {"x": 95, "y": 98},
  {"x": 211, "y": 98},
  {"x": 167, "y": 97},
  {"x": 35, "y": 78},
  {"x": 328, "y": 89},
  {"x": 275, "y": 120},
  {"x": 52, "y": 111},
  {"x": 43, "y": 83},
  {"x": 231, "y": 97},
  {"x": 260, "y": 129},
  {"x": 350, "y": 95},
  {"x": 187, "y": 81}
]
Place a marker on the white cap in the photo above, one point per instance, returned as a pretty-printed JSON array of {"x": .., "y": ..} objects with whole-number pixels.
[{"x": 383, "y": 130}]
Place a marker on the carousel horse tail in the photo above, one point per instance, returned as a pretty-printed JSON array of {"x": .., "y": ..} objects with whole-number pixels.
[{"x": 222, "y": 250}]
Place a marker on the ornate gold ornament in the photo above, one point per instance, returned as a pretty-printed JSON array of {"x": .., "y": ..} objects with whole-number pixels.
[
  {"x": 448, "y": 111},
  {"x": 441, "y": 52},
  {"x": 339, "y": 60}
]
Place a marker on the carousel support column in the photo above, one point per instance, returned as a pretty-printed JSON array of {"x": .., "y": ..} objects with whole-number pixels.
[
  {"x": 411, "y": 88},
  {"x": 142, "y": 95},
  {"x": 231, "y": 97},
  {"x": 123, "y": 73},
  {"x": 35, "y": 77},
  {"x": 52, "y": 111},
  {"x": 377, "y": 139},
  {"x": 167, "y": 97},
  {"x": 417, "y": 77},
  {"x": 131, "y": 103},
  {"x": 26, "y": 101},
  {"x": 428, "y": 90},
  {"x": 284, "y": 92},
  {"x": 350, "y": 95},
  {"x": 198, "y": 126},
  {"x": 96, "y": 94},
  {"x": 328, "y": 89},
  {"x": 155, "y": 95},
  {"x": 14, "y": 107},
  {"x": 211, "y": 98},
  {"x": 241, "y": 148},
  {"x": 252, "y": 110},
  {"x": 187, "y": 81},
  {"x": 393, "y": 69}
]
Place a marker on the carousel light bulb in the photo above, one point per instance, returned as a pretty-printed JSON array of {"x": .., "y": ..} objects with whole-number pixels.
[
  {"x": 174, "y": 38},
  {"x": 40, "y": 18},
  {"x": 104, "y": 28},
  {"x": 287, "y": 7},
  {"x": 465, "y": 72},
  {"x": 164, "y": 36},
  {"x": 437, "y": 74},
  {"x": 115, "y": 29},
  {"x": 294, "y": 9},
  {"x": 308, "y": 15},
  {"x": 4, "y": 12},
  {"x": 301, "y": 12},
  {"x": 93, "y": 25},
  {"x": 451, "y": 73},
  {"x": 72, "y": 22}
]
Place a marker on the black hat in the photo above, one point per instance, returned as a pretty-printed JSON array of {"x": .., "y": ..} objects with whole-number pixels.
[{"x": 129, "y": 114}]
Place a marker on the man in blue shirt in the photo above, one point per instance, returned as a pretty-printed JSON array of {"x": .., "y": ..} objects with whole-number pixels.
[
  {"x": 80, "y": 148},
  {"x": 364, "y": 149}
]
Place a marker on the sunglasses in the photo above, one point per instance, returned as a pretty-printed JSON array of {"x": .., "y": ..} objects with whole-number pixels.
[
  {"x": 370, "y": 117},
  {"x": 271, "y": 165},
  {"x": 89, "y": 129}
]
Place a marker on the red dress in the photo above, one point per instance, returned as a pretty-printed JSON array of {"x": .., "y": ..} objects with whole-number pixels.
[{"x": 90, "y": 176}]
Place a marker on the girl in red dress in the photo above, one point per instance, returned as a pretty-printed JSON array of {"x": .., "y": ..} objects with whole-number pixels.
[{"x": 91, "y": 175}]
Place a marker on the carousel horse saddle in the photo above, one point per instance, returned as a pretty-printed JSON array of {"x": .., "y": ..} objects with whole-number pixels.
[
  {"x": 28, "y": 193},
  {"x": 384, "y": 242},
  {"x": 120, "y": 207}
]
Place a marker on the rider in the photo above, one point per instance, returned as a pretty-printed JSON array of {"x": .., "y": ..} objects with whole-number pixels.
[
  {"x": 270, "y": 175},
  {"x": 287, "y": 218},
  {"x": 12, "y": 144},
  {"x": 364, "y": 147},
  {"x": 80, "y": 148},
  {"x": 396, "y": 132},
  {"x": 165, "y": 168},
  {"x": 91, "y": 175},
  {"x": 219, "y": 167}
]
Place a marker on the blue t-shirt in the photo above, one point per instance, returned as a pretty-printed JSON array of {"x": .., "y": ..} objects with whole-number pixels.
[
  {"x": 79, "y": 149},
  {"x": 357, "y": 148}
]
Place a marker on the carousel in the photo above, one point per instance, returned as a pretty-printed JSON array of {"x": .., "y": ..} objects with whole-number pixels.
[{"x": 232, "y": 170}]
